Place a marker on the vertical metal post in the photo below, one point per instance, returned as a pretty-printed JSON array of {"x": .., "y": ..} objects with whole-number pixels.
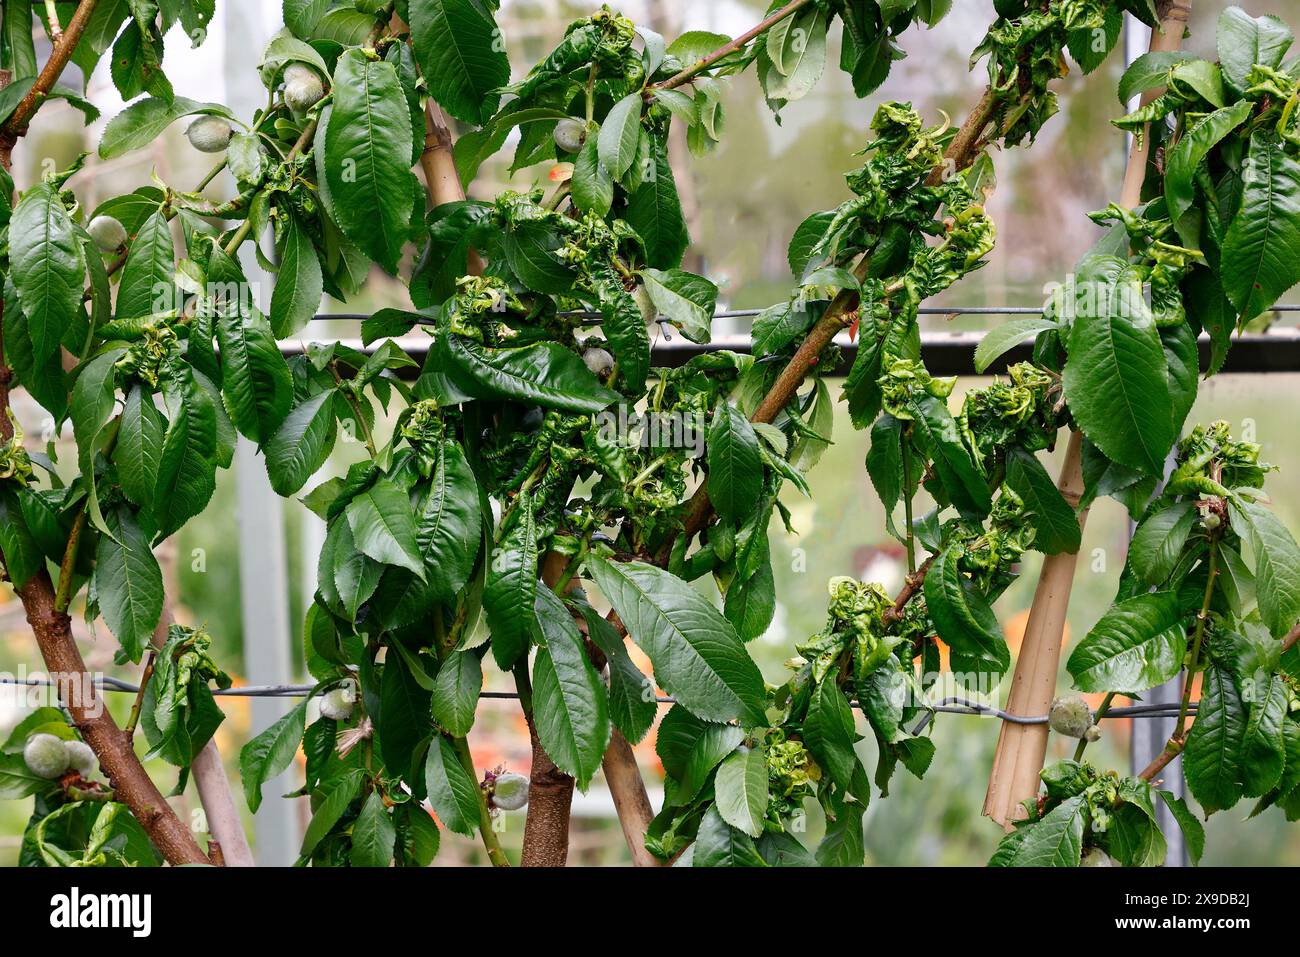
[{"x": 263, "y": 571}]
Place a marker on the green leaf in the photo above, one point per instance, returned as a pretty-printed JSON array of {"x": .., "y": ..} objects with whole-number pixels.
[
  {"x": 1277, "y": 564},
  {"x": 1116, "y": 380},
  {"x": 697, "y": 655},
  {"x": 544, "y": 373},
  {"x": 843, "y": 845},
  {"x": 510, "y": 592},
  {"x": 1244, "y": 41},
  {"x": 23, "y": 558},
  {"x": 532, "y": 252},
  {"x": 1158, "y": 543},
  {"x": 570, "y": 704},
  {"x": 1193, "y": 832},
  {"x": 373, "y": 834},
  {"x": 718, "y": 844},
  {"x": 383, "y": 526},
  {"x": 47, "y": 267},
  {"x": 1056, "y": 527},
  {"x": 741, "y": 790},
  {"x": 16, "y": 782},
  {"x": 187, "y": 464},
  {"x": 593, "y": 187},
  {"x": 1212, "y": 759},
  {"x": 1056, "y": 840},
  {"x": 449, "y": 526},
  {"x": 455, "y": 692},
  {"x": 302, "y": 443},
  {"x": 20, "y": 49},
  {"x": 830, "y": 734},
  {"x": 999, "y": 340},
  {"x": 1263, "y": 754},
  {"x": 655, "y": 211},
  {"x": 806, "y": 240},
  {"x": 1261, "y": 251},
  {"x": 883, "y": 694},
  {"x": 1184, "y": 159},
  {"x": 128, "y": 583},
  {"x": 147, "y": 278},
  {"x": 144, "y": 121},
  {"x": 138, "y": 452},
  {"x": 336, "y": 797},
  {"x": 453, "y": 793},
  {"x": 299, "y": 284},
  {"x": 1138, "y": 643},
  {"x": 685, "y": 299},
  {"x": 632, "y": 698},
  {"x": 1148, "y": 71},
  {"x": 403, "y": 713},
  {"x": 461, "y": 54},
  {"x": 708, "y": 745},
  {"x": 417, "y": 835},
  {"x": 271, "y": 752},
  {"x": 735, "y": 464},
  {"x": 961, "y": 477},
  {"x": 617, "y": 142},
  {"x": 355, "y": 575},
  {"x": 256, "y": 383},
  {"x": 368, "y": 157},
  {"x": 964, "y": 619},
  {"x": 803, "y": 53}
]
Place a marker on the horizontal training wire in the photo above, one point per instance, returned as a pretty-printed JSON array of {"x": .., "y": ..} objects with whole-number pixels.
[
  {"x": 751, "y": 313},
  {"x": 950, "y": 705}
]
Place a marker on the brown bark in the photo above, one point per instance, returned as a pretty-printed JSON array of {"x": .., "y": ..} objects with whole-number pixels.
[
  {"x": 16, "y": 125},
  {"x": 1022, "y": 749}
]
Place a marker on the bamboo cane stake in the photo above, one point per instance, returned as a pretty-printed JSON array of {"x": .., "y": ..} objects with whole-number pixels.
[{"x": 1022, "y": 749}]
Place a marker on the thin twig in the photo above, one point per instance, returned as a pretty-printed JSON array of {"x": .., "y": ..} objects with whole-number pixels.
[{"x": 686, "y": 75}]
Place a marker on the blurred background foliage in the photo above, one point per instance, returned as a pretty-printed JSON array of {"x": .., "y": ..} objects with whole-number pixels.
[{"x": 743, "y": 202}]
